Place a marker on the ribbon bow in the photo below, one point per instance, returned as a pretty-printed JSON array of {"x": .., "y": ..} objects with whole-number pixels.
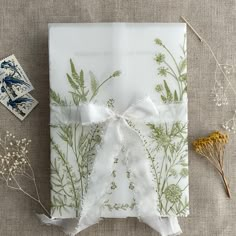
[{"x": 119, "y": 134}]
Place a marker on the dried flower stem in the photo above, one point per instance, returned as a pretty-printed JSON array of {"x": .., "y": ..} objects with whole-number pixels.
[
  {"x": 15, "y": 164},
  {"x": 212, "y": 148},
  {"x": 219, "y": 65}
]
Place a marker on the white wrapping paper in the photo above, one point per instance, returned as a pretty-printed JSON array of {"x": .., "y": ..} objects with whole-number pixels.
[{"x": 118, "y": 123}]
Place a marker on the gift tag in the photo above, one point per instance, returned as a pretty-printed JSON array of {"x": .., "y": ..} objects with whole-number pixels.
[{"x": 14, "y": 79}]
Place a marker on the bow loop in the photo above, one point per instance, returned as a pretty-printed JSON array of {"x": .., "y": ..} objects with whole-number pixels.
[{"x": 144, "y": 110}]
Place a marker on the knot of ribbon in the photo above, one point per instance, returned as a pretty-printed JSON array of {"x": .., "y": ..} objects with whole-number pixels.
[{"x": 142, "y": 111}]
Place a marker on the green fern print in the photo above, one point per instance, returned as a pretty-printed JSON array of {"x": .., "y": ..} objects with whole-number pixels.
[
  {"x": 174, "y": 72},
  {"x": 72, "y": 165}
]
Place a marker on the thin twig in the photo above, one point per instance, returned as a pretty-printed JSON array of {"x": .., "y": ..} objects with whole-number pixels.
[{"x": 211, "y": 51}]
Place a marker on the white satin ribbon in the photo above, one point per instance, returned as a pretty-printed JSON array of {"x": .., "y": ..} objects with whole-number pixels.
[{"x": 119, "y": 134}]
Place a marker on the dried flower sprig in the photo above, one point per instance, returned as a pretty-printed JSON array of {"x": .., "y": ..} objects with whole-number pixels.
[
  {"x": 221, "y": 84},
  {"x": 15, "y": 165},
  {"x": 213, "y": 148}
]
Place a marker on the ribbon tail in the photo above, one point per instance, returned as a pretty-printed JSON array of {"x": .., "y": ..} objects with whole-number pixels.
[
  {"x": 99, "y": 179},
  {"x": 145, "y": 195},
  {"x": 69, "y": 226},
  {"x": 166, "y": 226}
]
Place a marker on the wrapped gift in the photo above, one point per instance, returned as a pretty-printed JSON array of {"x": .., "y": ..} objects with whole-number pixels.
[{"x": 118, "y": 123}]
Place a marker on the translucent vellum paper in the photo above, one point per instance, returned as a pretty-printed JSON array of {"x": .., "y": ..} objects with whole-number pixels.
[{"x": 119, "y": 123}]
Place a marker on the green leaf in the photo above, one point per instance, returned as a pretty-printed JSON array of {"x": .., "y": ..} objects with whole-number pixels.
[
  {"x": 74, "y": 72},
  {"x": 86, "y": 93},
  {"x": 175, "y": 96},
  {"x": 72, "y": 83},
  {"x": 63, "y": 137},
  {"x": 183, "y": 77},
  {"x": 167, "y": 89},
  {"x": 185, "y": 90},
  {"x": 164, "y": 99},
  {"x": 76, "y": 94},
  {"x": 93, "y": 82},
  {"x": 76, "y": 97},
  {"x": 166, "y": 167},
  {"x": 81, "y": 79},
  {"x": 184, "y": 164},
  {"x": 169, "y": 95},
  {"x": 183, "y": 65},
  {"x": 55, "y": 97},
  {"x": 54, "y": 199}
]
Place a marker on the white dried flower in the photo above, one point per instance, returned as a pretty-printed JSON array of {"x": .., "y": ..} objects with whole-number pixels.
[{"x": 14, "y": 162}]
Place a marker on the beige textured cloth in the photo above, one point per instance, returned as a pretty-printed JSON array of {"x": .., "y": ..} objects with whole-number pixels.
[{"x": 23, "y": 31}]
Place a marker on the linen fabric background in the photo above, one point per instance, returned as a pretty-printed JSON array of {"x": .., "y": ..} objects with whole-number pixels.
[{"x": 24, "y": 32}]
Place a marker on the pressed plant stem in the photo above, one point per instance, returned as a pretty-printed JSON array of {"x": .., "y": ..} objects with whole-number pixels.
[
  {"x": 77, "y": 159},
  {"x": 88, "y": 148},
  {"x": 152, "y": 166},
  {"x": 61, "y": 180},
  {"x": 81, "y": 150},
  {"x": 166, "y": 176},
  {"x": 175, "y": 77},
  {"x": 70, "y": 177},
  {"x": 177, "y": 67},
  {"x": 170, "y": 167},
  {"x": 95, "y": 92},
  {"x": 69, "y": 174},
  {"x": 176, "y": 73}
]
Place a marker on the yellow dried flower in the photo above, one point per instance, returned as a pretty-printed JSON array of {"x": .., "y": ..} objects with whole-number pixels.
[{"x": 212, "y": 148}]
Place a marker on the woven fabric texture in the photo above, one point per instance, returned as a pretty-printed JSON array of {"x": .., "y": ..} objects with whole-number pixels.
[{"x": 24, "y": 32}]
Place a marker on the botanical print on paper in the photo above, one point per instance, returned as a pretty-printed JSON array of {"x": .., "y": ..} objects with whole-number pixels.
[
  {"x": 115, "y": 187},
  {"x": 167, "y": 145},
  {"x": 168, "y": 155},
  {"x": 172, "y": 71},
  {"x": 69, "y": 182},
  {"x": 120, "y": 206},
  {"x": 166, "y": 148}
]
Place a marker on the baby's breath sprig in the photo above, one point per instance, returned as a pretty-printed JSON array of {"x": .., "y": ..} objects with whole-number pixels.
[
  {"x": 15, "y": 165},
  {"x": 222, "y": 79},
  {"x": 213, "y": 147}
]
